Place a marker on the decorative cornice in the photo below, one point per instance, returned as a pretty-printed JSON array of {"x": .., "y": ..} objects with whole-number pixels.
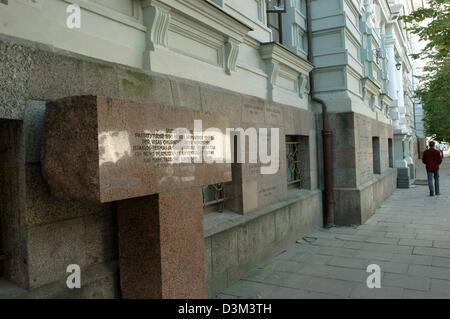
[
  {"x": 211, "y": 15},
  {"x": 276, "y": 56},
  {"x": 272, "y": 72},
  {"x": 231, "y": 55},
  {"x": 385, "y": 99},
  {"x": 370, "y": 86},
  {"x": 302, "y": 82},
  {"x": 274, "y": 52}
]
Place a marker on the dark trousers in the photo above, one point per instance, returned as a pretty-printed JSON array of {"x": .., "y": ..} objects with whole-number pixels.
[{"x": 436, "y": 182}]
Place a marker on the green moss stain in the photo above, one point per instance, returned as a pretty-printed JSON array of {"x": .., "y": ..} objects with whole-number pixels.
[
  {"x": 104, "y": 67},
  {"x": 137, "y": 85},
  {"x": 140, "y": 77},
  {"x": 100, "y": 66}
]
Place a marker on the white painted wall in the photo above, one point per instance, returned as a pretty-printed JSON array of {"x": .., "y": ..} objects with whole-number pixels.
[{"x": 115, "y": 31}]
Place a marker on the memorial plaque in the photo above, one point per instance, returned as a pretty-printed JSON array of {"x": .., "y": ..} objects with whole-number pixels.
[
  {"x": 101, "y": 149},
  {"x": 153, "y": 160}
]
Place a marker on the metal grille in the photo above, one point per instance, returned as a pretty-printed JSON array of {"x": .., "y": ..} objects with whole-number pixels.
[
  {"x": 294, "y": 172},
  {"x": 213, "y": 197}
]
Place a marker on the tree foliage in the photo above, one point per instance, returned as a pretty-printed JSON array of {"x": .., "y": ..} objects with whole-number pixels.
[{"x": 434, "y": 89}]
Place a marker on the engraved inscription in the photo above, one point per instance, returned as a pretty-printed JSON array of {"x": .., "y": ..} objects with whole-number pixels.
[
  {"x": 173, "y": 146},
  {"x": 268, "y": 191}
]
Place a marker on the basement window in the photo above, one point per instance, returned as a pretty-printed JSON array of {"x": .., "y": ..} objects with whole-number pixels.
[{"x": 293, "y": 161}]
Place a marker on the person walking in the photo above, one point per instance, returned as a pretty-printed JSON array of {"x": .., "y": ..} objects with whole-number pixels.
[
  {"x": 432, "y": 159},
  {"x": 441, "y": 148}
]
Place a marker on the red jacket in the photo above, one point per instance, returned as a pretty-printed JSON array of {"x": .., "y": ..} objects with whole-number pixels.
[{"x": 432, "y": 159}]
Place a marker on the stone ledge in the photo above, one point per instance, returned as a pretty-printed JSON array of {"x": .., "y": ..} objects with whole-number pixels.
[
  {"x": 215, "y": 223},
  {"x": 57, "y": 63}
]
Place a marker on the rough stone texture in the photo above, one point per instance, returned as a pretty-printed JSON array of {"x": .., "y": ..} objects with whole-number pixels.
[
  {"x": 358, "y": 190},
  {"x": 48, "y": 256},
  {"x": 237, "y": 244},
  {"x": 101, "y": 238},
  {"x": 87, "y": 151},
  {"x": 97, "y": 282},
  {"x": 42, "y": 208},
  {"x": 52, "y": 72},
  {"x": 41, "y": 234},
  {"x": 186, "y": 94},
  {"x": 86, "y": 241},
  {"x": 16, "y": 63},
  {"x": 260, "y": 190},
  {"x": 70, "y": 150},
  {"x": 162, "y": 246},
  {"x": 100, "y": 79},
  {"x": 356, "y": 205},
  {"x": 32, "y": 74}
]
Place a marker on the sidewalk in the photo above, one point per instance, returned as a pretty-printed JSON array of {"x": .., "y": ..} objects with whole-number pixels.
[{"x": 408, "y": 237}]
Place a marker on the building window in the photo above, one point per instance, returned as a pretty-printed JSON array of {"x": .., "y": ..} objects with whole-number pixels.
[
  {"x": 293, "y": 161},
  {"x": 390, "y": 152},
  {"x": 213, "y": 198},
  {"x": 376, "y": 155},
  {"x": 275, "y": 9}
]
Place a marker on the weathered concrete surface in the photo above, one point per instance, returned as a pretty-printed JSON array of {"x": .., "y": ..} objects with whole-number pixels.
[
  {"x": 408, "y": 237},
  {"x": 97, "y": 282},
  {"x": 236, "y": 244}
]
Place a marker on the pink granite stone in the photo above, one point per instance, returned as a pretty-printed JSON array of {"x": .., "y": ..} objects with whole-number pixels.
[
  {"x": 91, "y": 151},
  {"x": 88, "y": 150},
  {"x": 161, "y": 246}
]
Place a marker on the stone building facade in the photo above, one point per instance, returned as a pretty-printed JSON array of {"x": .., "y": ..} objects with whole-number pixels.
[{"x": 244, "y": 59}]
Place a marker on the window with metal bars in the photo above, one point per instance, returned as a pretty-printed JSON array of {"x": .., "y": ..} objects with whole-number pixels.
[
  {"x": 213, "y": 198},
  {"x": 275, "y": 9},
  {"x": 293, "y": 161}
]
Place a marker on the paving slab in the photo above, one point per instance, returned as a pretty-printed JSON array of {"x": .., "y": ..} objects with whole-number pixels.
[{"x": 408, "y": 237}]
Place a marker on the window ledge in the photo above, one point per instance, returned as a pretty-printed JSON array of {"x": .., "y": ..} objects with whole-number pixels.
[
  {"x": 215, "y": 223},
  {"x": 213, "y": 16},
  {"x": 275, "y": 52}
]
